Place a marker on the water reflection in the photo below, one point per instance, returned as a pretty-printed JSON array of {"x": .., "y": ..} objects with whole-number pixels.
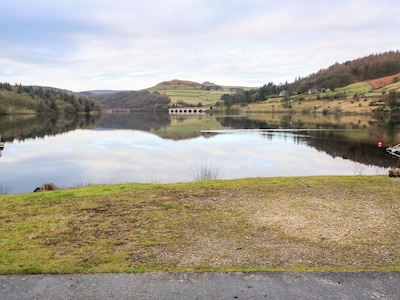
[
  {"x": 135, "y": 121},
  {"x": 160, "y": 148},
  {"x": 22, "y": 127}
]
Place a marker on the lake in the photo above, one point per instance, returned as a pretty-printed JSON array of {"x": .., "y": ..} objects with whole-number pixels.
[{"x": 142, "y": 148}]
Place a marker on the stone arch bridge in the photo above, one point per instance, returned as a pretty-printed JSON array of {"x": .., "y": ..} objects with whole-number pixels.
[{"x": 189, "y": 110}]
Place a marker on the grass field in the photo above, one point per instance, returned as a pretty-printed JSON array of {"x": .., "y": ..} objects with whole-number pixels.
[
  {"x": 313, "y": 105},
  {"x": 265, "y": 224},
  {"x": 355, "y": 89},
  {"x": 194, "y": 96}
]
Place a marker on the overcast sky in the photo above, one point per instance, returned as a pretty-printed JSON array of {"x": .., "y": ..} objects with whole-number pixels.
[{"x": 134, "y": 44}]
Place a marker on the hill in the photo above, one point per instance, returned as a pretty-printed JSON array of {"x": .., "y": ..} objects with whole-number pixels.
[
  {"x": 176, "y": 84},
  {"x": 363, "y": 85},
  {"x": 341, "y": 74},
  {"x": 144, "y": 101},
  {"x": 190, "y": 93},
  {"x": 100, "y": 92},
  {"x": 20, "y": 99},
  {"x": 166, "y": 93}
]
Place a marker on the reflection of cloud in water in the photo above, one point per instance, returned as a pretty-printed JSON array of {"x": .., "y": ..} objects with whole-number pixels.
[{"x": 119, "y": 156}]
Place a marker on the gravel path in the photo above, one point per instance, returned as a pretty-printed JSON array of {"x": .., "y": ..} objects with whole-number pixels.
[{"x": 203, "y": 286}]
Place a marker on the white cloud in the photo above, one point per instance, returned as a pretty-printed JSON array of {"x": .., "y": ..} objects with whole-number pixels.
[{"x": 119, "y": 44}]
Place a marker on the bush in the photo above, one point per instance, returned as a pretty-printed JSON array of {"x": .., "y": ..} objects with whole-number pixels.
[
  {"x": 206, "y": 171},
  {"x": 46, "y": 187}
]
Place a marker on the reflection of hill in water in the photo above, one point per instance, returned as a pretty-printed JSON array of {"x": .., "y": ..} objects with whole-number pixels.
[
  {"x": 284, "y": 121},
  {"x": 361, "y": 152},
  {"x": 134, "y": 121},
  {"x": 334, "y": 143},
  {"x": 22, "y": 127},
  {"x": 177, "y": 136}
]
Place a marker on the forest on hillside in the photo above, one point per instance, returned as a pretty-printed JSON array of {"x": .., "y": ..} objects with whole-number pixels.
[
  {"x": 144, "y": 101},
  {"x": 338, "y": 75},
  {"x": 19, "y": 99}
]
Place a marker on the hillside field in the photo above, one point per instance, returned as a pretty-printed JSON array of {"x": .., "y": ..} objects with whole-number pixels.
[
  {"x": 192, "y": 93},
  {"x": 194, "y": 97}
]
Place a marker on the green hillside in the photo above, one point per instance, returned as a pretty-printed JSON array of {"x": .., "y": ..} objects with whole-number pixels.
[{"x": 189, "y": 93}]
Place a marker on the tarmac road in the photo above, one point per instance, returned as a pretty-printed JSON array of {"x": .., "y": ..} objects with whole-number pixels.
[{"x": 366, "y": 285}]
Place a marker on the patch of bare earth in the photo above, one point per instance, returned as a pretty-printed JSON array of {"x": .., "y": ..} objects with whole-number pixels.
[
  {"x": 308, "y": 229},
  {"x": 383, "y": 81}
]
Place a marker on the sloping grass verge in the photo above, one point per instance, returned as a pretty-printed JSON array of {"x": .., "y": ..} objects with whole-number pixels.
[{"x": 334, "y": 223}]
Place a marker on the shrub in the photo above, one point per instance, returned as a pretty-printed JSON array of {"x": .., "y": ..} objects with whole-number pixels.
[
  {"x": 206, "y": 171},
  {"x": 46, "y": 187}
]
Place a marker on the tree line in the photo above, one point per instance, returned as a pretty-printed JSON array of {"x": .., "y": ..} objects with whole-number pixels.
[{"x": 19, "y": 99}]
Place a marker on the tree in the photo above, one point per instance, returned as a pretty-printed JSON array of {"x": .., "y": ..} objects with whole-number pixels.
[
  {"x": 392, "y": 100},
  {"x": 225, "y": 97},
  {"x": 332, "y": 84}
]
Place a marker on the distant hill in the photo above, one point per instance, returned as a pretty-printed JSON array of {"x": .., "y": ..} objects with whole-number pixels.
[
  {"x": 100, "y": 92},
  {"x": 176, "y": 84},
  {"x": 139, "y": 101}
]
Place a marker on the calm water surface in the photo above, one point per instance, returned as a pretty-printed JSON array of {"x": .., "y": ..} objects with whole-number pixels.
[{"x": 106, "y": 156}]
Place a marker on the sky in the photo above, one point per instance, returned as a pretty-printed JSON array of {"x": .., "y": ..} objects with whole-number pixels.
[{"x": 82, "y": 45}]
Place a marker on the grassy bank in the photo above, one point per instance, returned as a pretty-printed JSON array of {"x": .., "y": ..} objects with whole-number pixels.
[{"x": 349, "y": 223}]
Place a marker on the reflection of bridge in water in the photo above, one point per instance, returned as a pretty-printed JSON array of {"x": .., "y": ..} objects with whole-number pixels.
[{"x": 189, "y": 110}]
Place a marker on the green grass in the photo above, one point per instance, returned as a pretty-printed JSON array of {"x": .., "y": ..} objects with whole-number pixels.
[
  {"x": 392, "y": 86},
  {"x": 355, "y": 89},
  {"x": 195, "y": 96},
  {"x": 334, "y": 223}
]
